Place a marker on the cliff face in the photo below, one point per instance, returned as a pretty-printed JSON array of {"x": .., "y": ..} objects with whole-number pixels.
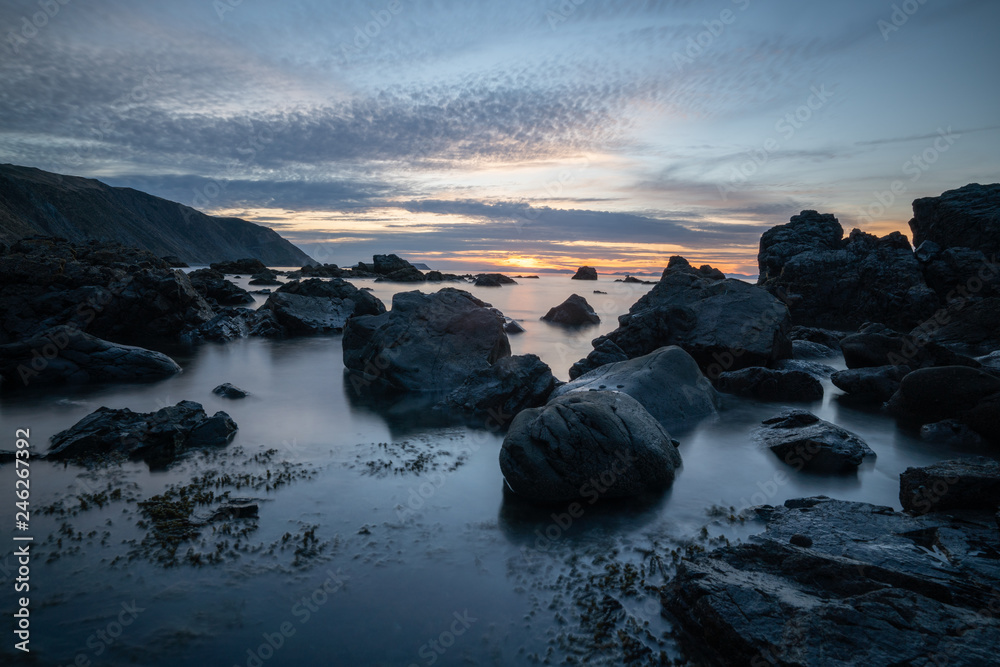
[{"x": 33, "y": 201}]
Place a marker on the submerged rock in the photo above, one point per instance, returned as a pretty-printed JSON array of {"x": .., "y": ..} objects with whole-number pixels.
[
  {"x": 501, "y": 391},
  {"x": 67, "y": 355},
  {"x": 960, "y": 484},
  {"x": 426, "y": 343},
  {"x": 841, "y": 600},
  {"x": 573, "y": 312},
  {"x": 771, "y": 385},
  {"x": 803, "y": 440},
  {"x": 724, "y": 324},
  {"x": 585, "y": 273},
  {"x": 667, "y": 382},
  {"x": 157, "y": 437},
  {"x": 588, "y": 445},
  {"x": 493, "y": 280},
  {"x": 227, "y": 390}
]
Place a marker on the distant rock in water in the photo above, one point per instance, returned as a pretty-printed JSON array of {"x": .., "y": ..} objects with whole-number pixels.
[
  {"x": 968, "y": 217},
  {"x": 589, "y": 446},
  {"x": 829, "y": 281},
  {"x": 724, "y": 324},
  {"x": 316, "y": 306},
  {"x": 585, "y": 273},
  {"x": 33, "y": 202},
  {"x": 806, "y": 442},
  {"x": 386, "y": 264},
  {"x": 573, "y": 312},
  {"x": 217, "y": 290},
  {"x": 67, "y": 355},
  {"x": 426, "y": 342},
  {"x": 227, "y": 390},
  {"x": 493, "y": 280},
  {"x": 156, "y": 437},
  {"x": 249, "y": 265}
]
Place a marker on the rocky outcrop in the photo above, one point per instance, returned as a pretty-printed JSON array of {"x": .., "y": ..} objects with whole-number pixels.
[
  {"x": 767, "y": 384},
  {"x": 667, "y": 382},
  {"x": 585, "y": 273},
  {"x": 826, "y": 337},
  {"x": 67, "y": 355},
  {"x": 501, "y": 391},
  {"x": 386, "y": 264},
  {"x": 35, "y": 202},
  {"x": 970, "y": 395},
  {"x": 493, "y": 280},
  {"x": 409, "y": 274},
  {"x": 606, "y": 352},
  {"x": 573, "y": 312},
  {"x": 245, "y": 266},
  {"x": 317, "y": 306},
  {"x": 587, "y": 445},
  {"x": 842, "y": 600},
  {"x": 803, "y": 440},
  {"x": 968, "y": 217},
  {"x": 829, "y": 281},
  {"x": 961, "y": 484},
  {"x": 156, "y": 437},
  {"x": 724, "y": 324},
  {"x": 878, "y": 345},
  {"x": 426, "y": 343},
  {"x": 874, "y": 384},
  {"x": 217, "y": 290}
]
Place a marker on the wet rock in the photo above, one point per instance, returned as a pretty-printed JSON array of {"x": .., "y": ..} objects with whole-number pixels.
[
  {"x": 876, "y": 384},
  {"x": 817, "y": 370},
  {"x": 227, "y": 390},
  {"x": 157, "y": 437},
  {"x": 501, "y": 391},
  {"x": 318, "y": 271},
  {"x": 237, "y": 508},
  {"x": 724, "y": 324},
  {"x": 604, "y": 353},
  {"x": 409, "y": 274},
  {"x": 247, "y": 265},
  {"x": 67, "y": 355},
  {"x": 585, "y": 273},
  {"x": 174, "y": 262},
  {"x": 826, "y": 337},
  {"x": 493, "y": 280},
  {"x": 573, "y": 312},
  {"x": 878, "y": 345},
  {"x": 386, "y": 264},
  {"x": 842, "y": 600},
  {"x": 803, "y": 541},
  {"x": 317, "y": 306},
  {"x": 588, "y": 445},
  {"x": 427, "y": 342},
  {"x": 667, "y": 383},
  {"x": 437, "y": 277},
  {"x": 806, "y": 349},
  {"x": 803, "y": 440},
  {"x": 932, "y": 394},
  {"x": 950, "y": 432},
  {"x": 266, "y": 277},
  {"x": 634, "y": 280},
  {"x": 228, "y": 325},
  {"x": 512, "y": 326},
  {"x": 829, "y": 281},
  {"x": 967, "y": 217},
  {"x": 216, "y": 289},
  {"x": 770, "y": 385},
  {"x": 960, "y": 484}
]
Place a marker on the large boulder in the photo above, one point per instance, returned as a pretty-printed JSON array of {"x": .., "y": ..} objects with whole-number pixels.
[
  {"x": 876, "y": 384},
  {"x": 875, "y": 587},
  {"x": 724, "y": 324},
  {"x": 829, "y": 281},
  {"x": 588, "y": 445},
  {"x": 606, "y": 352},
  {"x": 573, "y": 312},
  {"x": 961, "y": 484},
  {"x": 969, "y": 395},
  {"x": 878, "y": 345},
  {"x": 427, "y": 342},
  {"x": 767, "y": 384},
  {"x": 386, "y": 264},
  {"x": 667, "y": 382},
  {"x": 247, "y": 265},
  {"x": 157, "y": 437},
  {"x": 504, "y": 389},
  {"x": 585, "y": 273},
  {"x": 319, "y": 306},
  {"x": 968, "y": 217},
  {"x": 66, "y": 354},
  {"x": 216, "y": 289},
  {"x": 803, "y": 440}
]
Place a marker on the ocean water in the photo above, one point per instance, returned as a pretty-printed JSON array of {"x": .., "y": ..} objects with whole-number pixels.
[{"x": 384, "y": 535}]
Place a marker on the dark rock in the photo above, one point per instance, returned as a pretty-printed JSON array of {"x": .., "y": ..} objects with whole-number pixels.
[
  {"x": 970, "y": 395},
  {"x": 227, "y": 390},
  {"x": 878, "y": 345},
  {"x": 950, "y": 432},
  {"x": 319, "y": 271},
  {"x": 724, "y": 324},
  {"x": 573, "y": 312},
  {"x": 597, "y": 291},
  {"x": 265, "y": 277},
  {"x": 247, "y": 265},
  {"x": 512, "y": 326},
  {"x": 803, "y": 440},
  {"x": 844, "y": 600},
  {"x": 562, "y": 451},
  {"x": 585, "y": 273},
  {"x": 826, "y": 337},
  {"x": 528, "y": 277},
  {"x": 157, "y": 437},
  {"x": 968, "y": 217},
  {"x": 66, "y": 354},
  {"x": 667, "y": 382},
  {"x": 237, "y": 508},
  {"x": 961, "y": 484},
  {"x": 803, "y": 541},
  {"x": 876, "y": 384},
  {"x": 505, "y": 388},
  {"x": 604, "y": 353},
  {"x": 408, "y": 274},
  {"x": 493, "y": 280},
  {"x": 805, "y": 349},
  {"x": 828, "y": 281},
  {"x": 316, "y": 306},
  {"x": 817, "y": 370},
  {"x": 633, "y": 279},
  {"x": 174, "y": 262},
  {"x": 991, "y": 360},
  {"x": 770, "y": 385},
  {"x": 437, "y": 277},
  {"x": 386, "y": 264},
  {"x": 427, "y": 342},
  {"x": 228, "y": 325},
  {"x": 215, "y": 288}
]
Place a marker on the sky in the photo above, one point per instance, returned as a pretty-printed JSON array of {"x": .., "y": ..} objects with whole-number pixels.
[{"x": 516, "y": 135}]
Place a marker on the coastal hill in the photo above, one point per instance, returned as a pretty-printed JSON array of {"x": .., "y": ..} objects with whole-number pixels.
[{"x": 33, "y": 201}]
